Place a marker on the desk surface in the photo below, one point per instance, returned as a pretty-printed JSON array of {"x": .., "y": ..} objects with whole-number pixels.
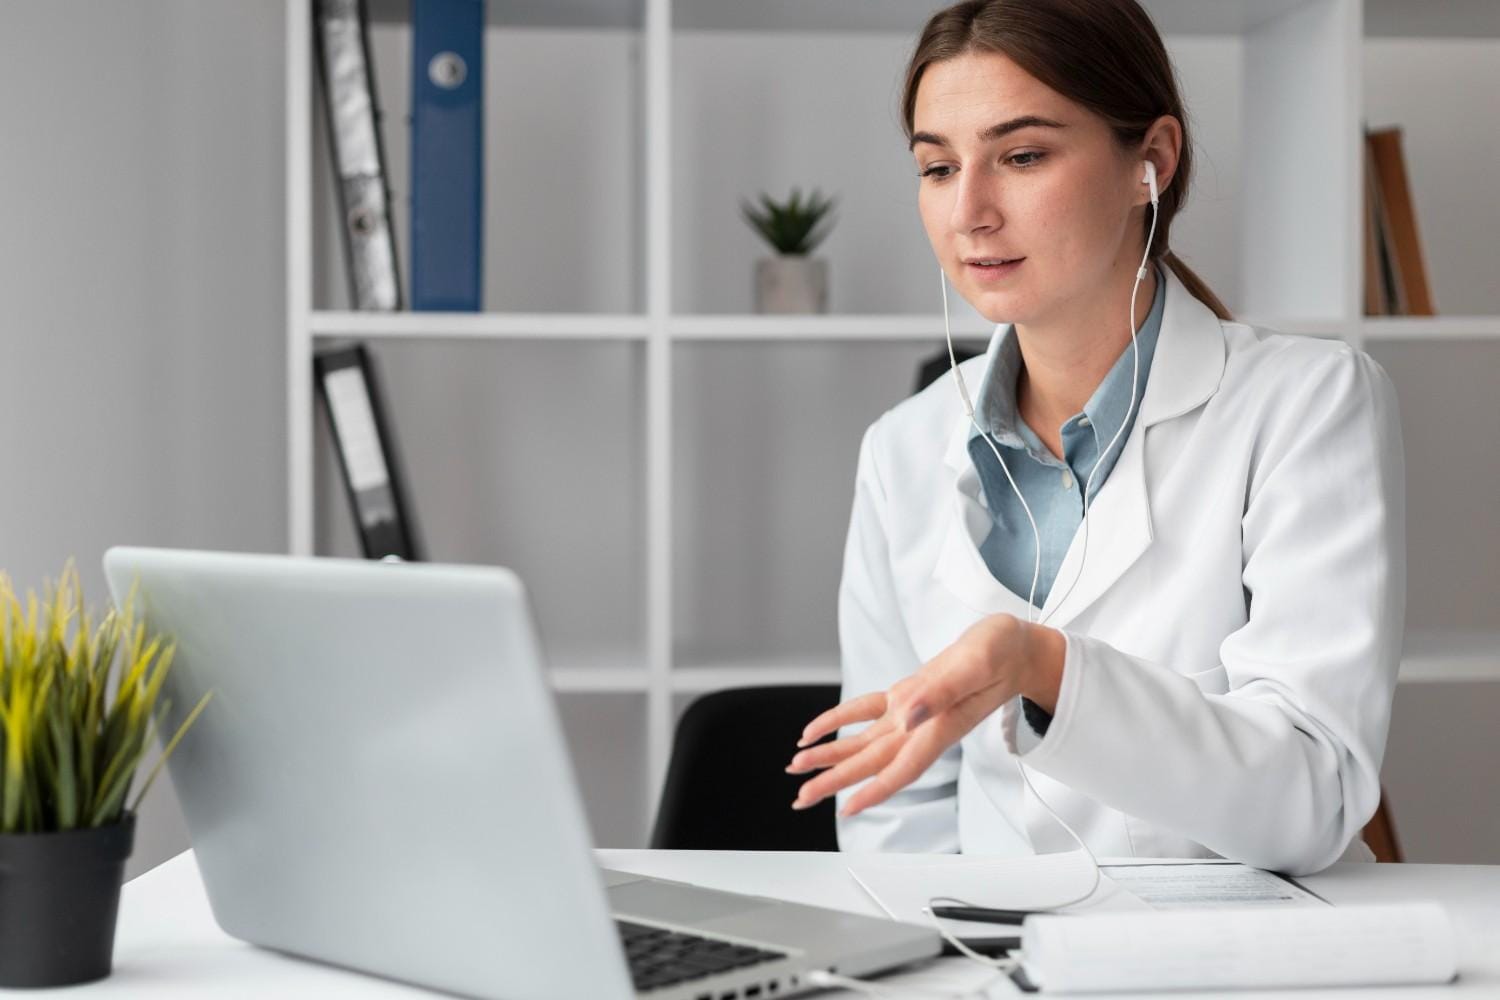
[{"x": 168, "y": 945}]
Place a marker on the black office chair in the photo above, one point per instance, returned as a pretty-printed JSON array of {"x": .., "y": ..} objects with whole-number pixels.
[{"x": 726, "y": 786}]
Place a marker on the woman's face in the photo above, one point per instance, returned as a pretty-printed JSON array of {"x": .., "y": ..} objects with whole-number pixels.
[{"x": 1012, "y": 170}]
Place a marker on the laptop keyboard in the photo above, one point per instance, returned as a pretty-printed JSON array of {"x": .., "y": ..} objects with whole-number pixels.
[{"x": 661, "y": 957}]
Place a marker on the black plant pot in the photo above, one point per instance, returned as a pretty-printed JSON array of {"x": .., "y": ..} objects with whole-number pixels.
[{"x": 59, "y": 896}]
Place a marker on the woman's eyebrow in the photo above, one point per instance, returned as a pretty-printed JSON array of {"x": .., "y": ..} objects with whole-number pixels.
[{"x": 990, "y": 134}]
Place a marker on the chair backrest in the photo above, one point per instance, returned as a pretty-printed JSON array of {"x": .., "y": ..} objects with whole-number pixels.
[
  {"x": 1380, "y": 833},
  {"x": 727, "y": 787}
]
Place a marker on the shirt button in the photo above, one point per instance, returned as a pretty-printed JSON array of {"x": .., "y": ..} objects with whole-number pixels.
[
  {"x": 1067, "y": 480},
  {"x": 1083, "y": 421}
]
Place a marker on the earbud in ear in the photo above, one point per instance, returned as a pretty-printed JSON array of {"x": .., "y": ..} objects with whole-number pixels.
[{"x": 1150, "y": 181}]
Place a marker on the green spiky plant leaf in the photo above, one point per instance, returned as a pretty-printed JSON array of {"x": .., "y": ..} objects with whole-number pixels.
[
  {"x": 791, "y": 227},
  {"x": 69, "y": 751}
]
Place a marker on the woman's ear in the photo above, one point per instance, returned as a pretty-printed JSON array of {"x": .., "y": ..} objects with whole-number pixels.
[{"x": 1162, "y": 146}]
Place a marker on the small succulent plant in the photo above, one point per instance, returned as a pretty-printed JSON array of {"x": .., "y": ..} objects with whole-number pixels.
[{"x": 792, "y": 226}]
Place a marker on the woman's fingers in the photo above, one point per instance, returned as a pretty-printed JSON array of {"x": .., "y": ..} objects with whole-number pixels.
[
  {"x": 917, "y": 752},
  {"x": 834, "y": 751},
  {"x": 856, "y": 768},
  {"x": 828, "y": 754},
  {"x": 861, "y": 709}
]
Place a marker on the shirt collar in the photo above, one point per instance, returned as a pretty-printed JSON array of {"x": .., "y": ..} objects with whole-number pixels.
[{"x": 995, "y": 406}]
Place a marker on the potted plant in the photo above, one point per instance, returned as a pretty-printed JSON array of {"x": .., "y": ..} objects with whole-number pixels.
[
  {"x": 73, "y": 731},
  {"x": 791, "y": 282}
]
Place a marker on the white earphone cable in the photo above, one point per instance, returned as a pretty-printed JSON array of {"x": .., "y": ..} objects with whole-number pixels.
[
  {"x": 1031, "y": 609},
  {"x": 1135, "y": 374}
]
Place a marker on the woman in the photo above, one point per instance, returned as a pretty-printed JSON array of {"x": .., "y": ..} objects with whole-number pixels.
[{"x": 1207, "y": 668}]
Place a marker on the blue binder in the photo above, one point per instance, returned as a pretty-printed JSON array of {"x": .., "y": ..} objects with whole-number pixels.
[{"x": 447, "y": 154}]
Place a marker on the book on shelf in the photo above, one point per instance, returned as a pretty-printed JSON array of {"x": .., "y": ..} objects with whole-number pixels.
[
  {"x": 342, "y": 47},
  {"x": 366, "y": 451},
  {"x": 1396, "y": 281},
  {"x": 447, "y": 155}
]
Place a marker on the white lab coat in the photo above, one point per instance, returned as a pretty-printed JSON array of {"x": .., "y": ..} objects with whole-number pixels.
[{"x": 1232, "y": 644}]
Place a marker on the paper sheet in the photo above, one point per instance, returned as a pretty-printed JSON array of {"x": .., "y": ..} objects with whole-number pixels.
[
  {"x": 903, "y": 884},
  {"x": 1177, "y": 887}
]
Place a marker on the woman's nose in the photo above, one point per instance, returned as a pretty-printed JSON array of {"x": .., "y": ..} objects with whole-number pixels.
[{"x": 976, "y": 204}]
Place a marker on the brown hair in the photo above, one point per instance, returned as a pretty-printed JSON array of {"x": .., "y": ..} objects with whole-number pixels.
[{"x": 1105, "y": 55}]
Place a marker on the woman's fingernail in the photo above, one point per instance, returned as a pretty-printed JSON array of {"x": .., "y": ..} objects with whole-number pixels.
[
  {"x": 918, "y": 715},
  {"x": 804, "y": 741},
  {"x": 794, "y": 767},
  {"x": 797, "y": 803}
]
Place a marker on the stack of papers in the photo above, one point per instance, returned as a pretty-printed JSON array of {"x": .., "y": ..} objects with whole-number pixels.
[
  {"x": 1255, "y": 948},
  {"x": 1169, "y": 924}
]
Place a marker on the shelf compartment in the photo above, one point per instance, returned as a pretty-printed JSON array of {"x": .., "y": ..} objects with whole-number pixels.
[
  {"x": 540, "y": 167},
  {"x": 504, "y": 467},
  {"x": 765, "y": 440},
  {"x": 1435, "y": 90}
]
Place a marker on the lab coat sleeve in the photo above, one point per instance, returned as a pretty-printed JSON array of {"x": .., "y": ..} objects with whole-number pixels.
[
  {"x": 1276, "y": 761},
  {"x": 876, "y": 652}
]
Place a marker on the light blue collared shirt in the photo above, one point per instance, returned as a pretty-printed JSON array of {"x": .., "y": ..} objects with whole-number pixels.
[{"x": 1053, "y": 487}]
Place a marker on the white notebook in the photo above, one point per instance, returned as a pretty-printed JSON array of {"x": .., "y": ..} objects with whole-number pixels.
[{"x": 1240, "y": 948}]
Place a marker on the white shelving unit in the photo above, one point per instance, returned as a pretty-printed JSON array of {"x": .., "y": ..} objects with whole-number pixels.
[{"x": 671, "y": 475}]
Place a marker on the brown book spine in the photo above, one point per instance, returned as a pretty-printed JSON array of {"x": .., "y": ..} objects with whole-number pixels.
[{"x": 1401, "y": 217}]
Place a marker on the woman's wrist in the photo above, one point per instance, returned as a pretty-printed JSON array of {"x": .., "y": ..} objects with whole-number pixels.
[{"x": 1047, "y": 648}]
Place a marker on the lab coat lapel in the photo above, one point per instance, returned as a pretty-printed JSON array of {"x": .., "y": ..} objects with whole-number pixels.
[
  {"x": 960, "y": 567},
  {"x": 1119, "y": 531},
  {"x": 1185, "y": 372}
]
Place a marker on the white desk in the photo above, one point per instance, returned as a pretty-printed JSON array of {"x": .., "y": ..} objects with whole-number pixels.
[{"x": 168, "y": 945}]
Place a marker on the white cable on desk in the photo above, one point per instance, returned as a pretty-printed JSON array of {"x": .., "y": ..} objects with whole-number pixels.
[{"x": 822, "y": 977}]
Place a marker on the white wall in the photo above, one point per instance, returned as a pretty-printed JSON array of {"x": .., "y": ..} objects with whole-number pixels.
[{"x": 141, "y": 329}]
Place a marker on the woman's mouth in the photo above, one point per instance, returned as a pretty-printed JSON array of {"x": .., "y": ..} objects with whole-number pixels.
[{"x": 992, "y": 268}]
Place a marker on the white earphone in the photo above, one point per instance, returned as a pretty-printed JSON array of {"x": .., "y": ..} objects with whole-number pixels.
[{"x": 1149, "y": 179}]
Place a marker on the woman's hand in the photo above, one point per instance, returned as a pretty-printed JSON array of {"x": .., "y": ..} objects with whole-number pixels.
[{"x": 924, "y": 714}]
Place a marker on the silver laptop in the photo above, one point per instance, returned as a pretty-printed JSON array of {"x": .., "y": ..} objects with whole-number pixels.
[{"x": 381, "y": 782}]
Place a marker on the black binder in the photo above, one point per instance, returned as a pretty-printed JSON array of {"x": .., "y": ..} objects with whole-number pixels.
[{"x": 367, "y": 455}]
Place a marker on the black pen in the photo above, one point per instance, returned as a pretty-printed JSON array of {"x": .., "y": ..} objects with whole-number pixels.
[
  {"x": 995, "y": 947},
  {"x": 981, "y": 914}
]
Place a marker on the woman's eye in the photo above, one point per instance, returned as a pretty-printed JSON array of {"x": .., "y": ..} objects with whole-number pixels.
[{"x": 1029, "y": 158}]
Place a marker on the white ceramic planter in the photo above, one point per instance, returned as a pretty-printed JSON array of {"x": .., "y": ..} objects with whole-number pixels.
[{"x": 791, "y": 285}]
